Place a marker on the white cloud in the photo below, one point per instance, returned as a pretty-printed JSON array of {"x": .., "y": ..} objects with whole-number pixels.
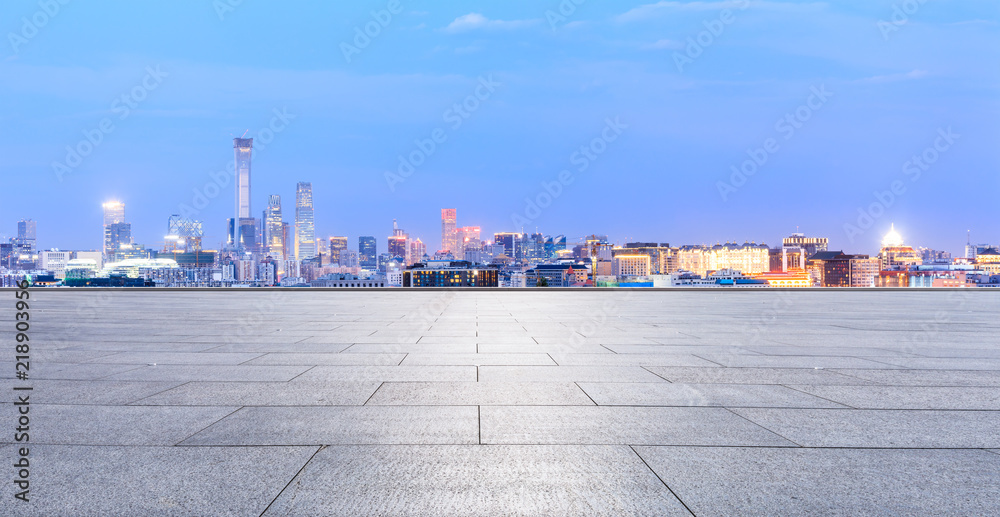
[
  {"x": 891, "y": 78},
  {"x": 663, "y": 7},
  {"x": 475, "y": 21},
  {"x": 663, "y": 44}
]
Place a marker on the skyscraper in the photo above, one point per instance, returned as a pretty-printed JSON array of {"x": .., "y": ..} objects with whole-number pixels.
[
  {"x": 242, "y": 149},
  {"x": 368, "y": 252},
  {"x": 448, "y": 231},
  {"x": 305, "y": 225},
  {"x": 274, "y": 238},
  {"x": 338, "y": 250},
  {"x": 26, "y": 236},
  {"x": 114, "y": 212}
]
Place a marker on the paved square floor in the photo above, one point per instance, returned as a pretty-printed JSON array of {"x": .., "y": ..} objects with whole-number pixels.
[{"x": 584, "y": 402}]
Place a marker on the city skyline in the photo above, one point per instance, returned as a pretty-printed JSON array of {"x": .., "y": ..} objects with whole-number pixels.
[{"x": 814, "y": 135}]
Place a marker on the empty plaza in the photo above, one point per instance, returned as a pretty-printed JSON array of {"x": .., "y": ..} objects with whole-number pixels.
[{"x": 509, "y": 402}]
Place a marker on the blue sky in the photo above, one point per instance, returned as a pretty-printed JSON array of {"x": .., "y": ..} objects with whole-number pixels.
[{"x": 896, "y": 74}]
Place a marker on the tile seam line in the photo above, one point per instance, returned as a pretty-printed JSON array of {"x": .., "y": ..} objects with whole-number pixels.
[
  {"x": 671, "y": 490},
  {"x": 231, "y": 413},
  {"x": 783, "y": 437},
  {"x": 290, "y": 481}
]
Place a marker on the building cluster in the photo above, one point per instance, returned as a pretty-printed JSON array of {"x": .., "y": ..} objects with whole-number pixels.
[{"x": 268, "y": 251}]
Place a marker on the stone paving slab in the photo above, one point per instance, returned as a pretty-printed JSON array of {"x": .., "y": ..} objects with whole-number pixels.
[
  {"x": 191, "y": 372},
  {"x": 717, "y": 481},
  {"x": 880, "y": 428},
  {"x": 621, "y": 425},
  {"x": 673, "y": 394},
  {"x": 389, "y": 373},
  {"x": 97, "y": 481},
  {"x": 477, "y": 480},
  {"x": 566, "y": 374},
  {"x": 264, "y": 394},
  {"x": 104, "y": 393},
  {"x": 54, "y": 424},
  {"x": 329, "y": 359},
  {"x": 344, "y": 425},
  {"x": 479, "y": 394},
  {"x": 923, "y": 377},
  {"x": 755, "y": 376},
  {"x": 909, "y": 397}
]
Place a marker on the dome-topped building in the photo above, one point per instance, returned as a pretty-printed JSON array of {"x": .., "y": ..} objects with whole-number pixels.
[
  {"x": 892, "y": 239},
  {"x": 895, "y": 255}
]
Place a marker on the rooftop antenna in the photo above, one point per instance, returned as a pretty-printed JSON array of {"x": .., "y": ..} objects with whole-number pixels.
[{"x": 245, "y": 133}]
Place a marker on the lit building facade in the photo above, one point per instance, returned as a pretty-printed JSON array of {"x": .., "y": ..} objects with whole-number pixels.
[
  {"x": 338, "y": 249},
  {"x": 242, "y": 150},
  {"x": 305, "y": 223},
  {"x": 446, "y": 273},
  {"x": 895, "y": 255},
  {"x": 634, "y": 265},
  {"x": 368, "y": 252},
  {"x": 274, "y": 232},
  {"x": 448, "y": 234},
  {"x": 114, "y": 213}
]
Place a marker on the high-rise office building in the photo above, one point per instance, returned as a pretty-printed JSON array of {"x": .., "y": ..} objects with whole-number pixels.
[
  {"x": 417, "y": 251},
  {"x": 26, "y": 235},
  {"x": 183, "y": 234},
  {"x": 448, "y": 236},
  {"x": 368, "y": 252},
  {"x": 274, "y": 238},
  {"x": 338, "y": 249},
  {"x": 242, "y": 150},
  {"x": 466, "y": 236},
  {"x": 305, "y": 224},
  {"x": 114, "y": 212},
  {"x": 809, "y": 245},
  {"x": 512, "y": 243},
  {"x": 288, "y": 239}
]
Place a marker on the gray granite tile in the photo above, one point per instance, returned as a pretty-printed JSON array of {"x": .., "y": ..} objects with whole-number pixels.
[
  {"x": 344, "y": 425},
  {"x": 66, "y": 371},
  {"x": 108, "y": 393},
  {"x": 909, "y": 397},
  {"x": 264, "y": 394},
  {"x": 770, "y": 361},
  {"x": 118, "y": 425},
  {"x": 88, "y": 480},
  {"x": 943, "y": 363},
  {"x": 792, "y": 481},
  {"x": 411, "y": 348},
  {"x": 621, "y": 425},
  {"x": 754, "y": 375},
  {"x": 922, "y": 377},
  {"x": 476, "y": 480},
  {"x": 479, "y": 393},
  {"x": 331, "y": 359},
  {"x": 185, "y": 373},
  {"x": 728, "y": 395},
  {"x": 566, "y": 374},
  {"x": 478, "y": 359},
  {"x": 665, "y": 359},
  {"x": 194, "y": 358},
  {"x": 389, "y": 373},
  {"x": 880, "y": 428}
]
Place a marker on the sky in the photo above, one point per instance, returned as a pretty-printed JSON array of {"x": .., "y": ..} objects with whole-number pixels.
[{"x": 681, "y": 122}]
